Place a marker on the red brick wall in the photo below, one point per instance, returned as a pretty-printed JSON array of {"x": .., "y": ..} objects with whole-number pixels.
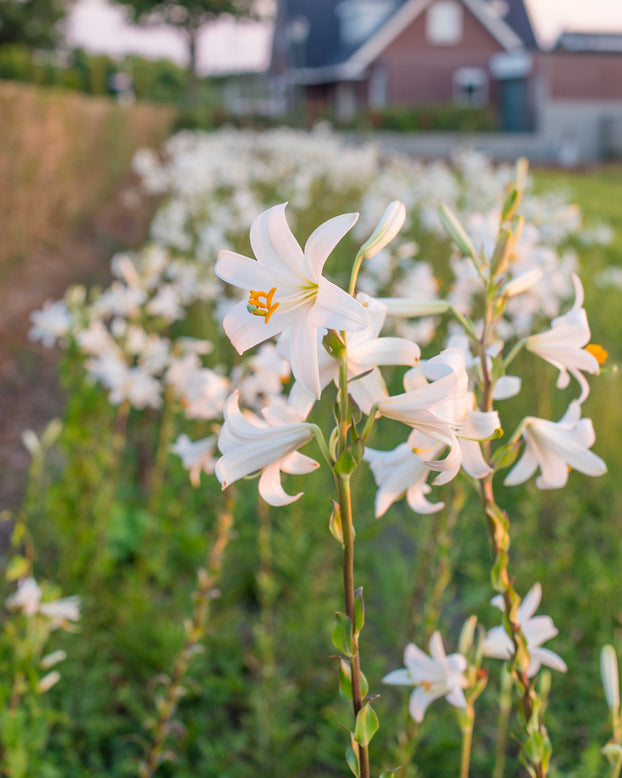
[
  {"x": 421, "y": 72},
  {"x": 581, "y": 75}
]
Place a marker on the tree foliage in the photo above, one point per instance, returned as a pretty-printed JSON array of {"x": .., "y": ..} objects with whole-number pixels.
[{"x": 35, "y": 23}]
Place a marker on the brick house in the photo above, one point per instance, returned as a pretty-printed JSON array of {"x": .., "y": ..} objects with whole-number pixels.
[{"x": 350, "y": 55}]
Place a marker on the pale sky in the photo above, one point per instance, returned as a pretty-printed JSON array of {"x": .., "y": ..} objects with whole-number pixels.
[{"x": 227, "y": 46}]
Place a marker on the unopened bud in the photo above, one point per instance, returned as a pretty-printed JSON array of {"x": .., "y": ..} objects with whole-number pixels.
[
  {"x": 389, "y": 225},
  {"x": 456, "y": 232},
  {"x": 609, "y": 676},
  {"x": 49, "y": 680},
  {"x": 53, "y": 659}
]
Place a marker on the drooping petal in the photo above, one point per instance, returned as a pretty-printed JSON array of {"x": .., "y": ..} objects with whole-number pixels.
[
  {"x": 523, "y": 469},
  {"x": 368, "y": 390},
  {"x": 303, "y": 357},
  {"x": 550, "y": 659},
  {"x": 456, "y": 697},
  {"x": 298, "y": 464},
  {"x": 385, "y": 351},
  {"x": 271, "y": 489},
  {"x": 418, "y": 704},
  {"x": 473, "y": 461},
  {"x": 323, "y": 240}
]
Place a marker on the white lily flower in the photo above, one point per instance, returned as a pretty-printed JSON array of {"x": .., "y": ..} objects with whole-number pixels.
[
  {"x": 536, "y": 629},
  {"x": 433, "y": 676},
  {"x": 443, "y": 410},
  {"x": 555, "y": 447},
  {"x": 197, "y": 456},
  {"x": 50, "y": 323},
  {"x": 27, "y": 599},
  {"x": 365, "y": 351},
  {"x": 402, "y": 471},
  {"x": 250, "y": 444},
  {"x": 287, "y": 291},
  {"x": 563, "y": 345}
]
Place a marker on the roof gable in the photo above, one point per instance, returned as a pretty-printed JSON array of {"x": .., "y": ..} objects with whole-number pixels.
[{"x": 411, "y": 10}]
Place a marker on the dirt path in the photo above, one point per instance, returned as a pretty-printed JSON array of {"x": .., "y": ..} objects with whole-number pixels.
[{"x": 29, "y": 391}]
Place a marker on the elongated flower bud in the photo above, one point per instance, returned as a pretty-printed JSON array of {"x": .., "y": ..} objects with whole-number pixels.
[
  {"x": 609, "y": 676},
  {"x": 388, "y": 227}
]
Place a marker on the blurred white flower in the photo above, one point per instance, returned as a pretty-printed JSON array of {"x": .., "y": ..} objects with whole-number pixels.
[
  {"x": 50, "y": 323},
  {"x": 433, "y": 676},
  {"x": 197, "y": 456},
  {"x": 562, "y": 345},
  {"x": 536, "y": 629},
  {"x": 555, "y": 447},
  {"x": 27, "y": 599}
]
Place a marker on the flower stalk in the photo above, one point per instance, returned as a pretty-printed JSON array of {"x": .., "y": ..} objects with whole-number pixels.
[{"x": 195, "y": 630}]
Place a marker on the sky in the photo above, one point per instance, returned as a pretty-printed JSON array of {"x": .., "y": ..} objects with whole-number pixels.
[{"x": 227, "y": 46}]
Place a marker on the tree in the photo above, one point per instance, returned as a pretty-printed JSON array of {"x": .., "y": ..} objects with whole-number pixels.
[
  {"x": 35, "y": 23},
  {"x": 188, "y": 16}
]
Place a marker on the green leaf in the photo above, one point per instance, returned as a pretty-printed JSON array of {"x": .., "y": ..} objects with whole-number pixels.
[
  {"x": 505, "y": 456},
  {"x": 366, "y": 725},
  {"x": 18, "y": 567},
  {"x": 346, "y": 464},
  {"x": 389, "y": 773},
  {"x": 345, "y": 679},
  {"x": 359, "y": 611},
  {"x": 534, "y": 747},
  {"x": 364, "y": 686},
  {"x": 342, "y": 634},
  {"x": 334, "y": 523},
  {"x": 352, "y": 756}
]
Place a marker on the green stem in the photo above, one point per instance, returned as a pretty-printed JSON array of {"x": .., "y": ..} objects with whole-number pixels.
[
  {"x": 208, "y": 578},
  {"x": 516, "y": 348},
  {"x": 467, "y": 740},
  {"x": 344, "y": 497},
  {"x": 355, "y": 272},
  {"x": 498, "y": 528},
  {"x": 505, "y": 707}
]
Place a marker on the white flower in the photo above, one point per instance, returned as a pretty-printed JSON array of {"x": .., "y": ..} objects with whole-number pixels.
[
  {"x": 203, "y": 393},
  {"x": 402, "y": 471},
  {"x": 50, "y": 323},
  {"x": 197, "y": 456},
  {"x": 555, "y": 447},
  {"x": 27, "y": 599},
  {"x": 250, "y": 444},
  {"x": 562, "y": 345},
  {"x": 287, "y": 291},
  {"x": 365, "y": 351},
  {"x": 442, "y": 409},
  {"x": 433, "y": 676},
  {"x": 536, "y": 629}
]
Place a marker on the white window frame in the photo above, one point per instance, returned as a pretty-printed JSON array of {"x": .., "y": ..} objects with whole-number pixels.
[{"x": 444, "y": 22}]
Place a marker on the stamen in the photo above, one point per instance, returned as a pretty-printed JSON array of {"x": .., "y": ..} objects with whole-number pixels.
[
  {"x": 262, "y": 307},
  {"x": 598, "y": 352}
]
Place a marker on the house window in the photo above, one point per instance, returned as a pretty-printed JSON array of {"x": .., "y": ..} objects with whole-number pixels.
[
  {"x": 443, "y": 23},
  {"x": 471, "y": 87}
]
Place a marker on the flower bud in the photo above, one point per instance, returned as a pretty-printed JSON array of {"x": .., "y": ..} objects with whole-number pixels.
[
  {"x": 49, "y": 680},
  {"x": 49, "y": 660},
  {"x": 388, "y": 227},
  {"x": 609, "y": 676}
]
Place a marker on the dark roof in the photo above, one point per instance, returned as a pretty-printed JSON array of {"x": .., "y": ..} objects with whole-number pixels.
[
  {"x": 323, "y": 46},
  {"x": 518, "y": 19},
  {"x": 605, "y": 42}
]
